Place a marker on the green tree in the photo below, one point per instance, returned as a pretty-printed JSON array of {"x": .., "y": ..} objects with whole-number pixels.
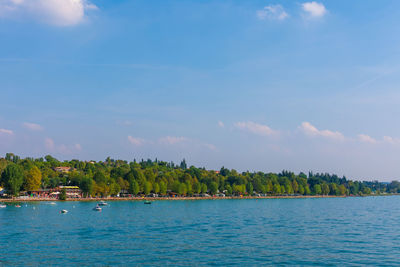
[
  {"x": 114, "y": 188},
  {"x": 342, "y": 190},
  {"x": 325, "y": 189},
  {"x": 156, "y": 188},
  {"x": 204, "y": 188},
  {"x": 63, "y": 194},
  {"x": 147, "y": 188},
  {"x": 33, "y": 179},
  {"x": 182, "y": 190},
  {"x": 196, "y": 187},
  {"x": 317, "y": 189},
  {"x": 163, "y": 188},
  {"x": 301, "y": 189},
  {"x": 249, "y": 188},
  {"x": 228, "y": 189},
  {"x": 13, "y": 178},
  {"x": 277, "y": 189},
  {"x": 213, "y": 188},
  {"x": 133, "y": 187},
  {"x": 86, "y": 185},
  {"x": 295, "y": 186}
]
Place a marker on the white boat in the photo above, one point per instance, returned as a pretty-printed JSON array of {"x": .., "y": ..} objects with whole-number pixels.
[
  {"x": 52, "y": 203},
  {"x": 3, "y": 206},
  {"x": 97, "y": 208},
  {"x": 64, "y": 211},
  {"x": 102, "y": 203}
]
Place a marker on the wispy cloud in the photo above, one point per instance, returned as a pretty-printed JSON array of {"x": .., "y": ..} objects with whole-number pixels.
[
  {"x": 51, "y": 146},
  {"x": 391, "y": 140},
  {"x": 221, "y": 124},
  {"x": 171, "y": 140},
  {"x": 272, "y": 12},
  {"x": 32, "y": 126},
  {"x": 314, "y": 9},
  {"x": 255, "y": 128},
  {"x": 135, "y": 140},
  {"x": 6, "y": 131},
  {"x": 310, "y": 130},
  {"x": 55, "y": 12},
  {"x": 366, "y": 139}
]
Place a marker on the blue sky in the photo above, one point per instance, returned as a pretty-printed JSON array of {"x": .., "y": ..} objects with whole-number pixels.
[{"x": 249, "y": 85}]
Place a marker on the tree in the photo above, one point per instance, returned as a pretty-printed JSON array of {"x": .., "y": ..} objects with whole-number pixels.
[
  {"x": 342, "y": 190},
  {"x": 63, "y": 194},
  {"x": 196, "y": 187},
  {"x": 33, "y": 179},
  {"x": 228, "y": 189},
  {"x": 325, "y": 189},
  {"x": 163, "y": 188},
  {"x": 317, "y": 189},
  {"x": 114, "y": 188},
  {"x": 182, "y": 189},
  {"x": 86, "y": 185},
  {"x": 301, "y": 190},
  {"x": 147, "y": 188},
  {"x": 249, "y": 188},
  {"x": 277, "y": 189},
  {"x": 156, "y": 188},
  {"x": 213, "y": 188},
  {"x": 133, "y": 187},
  {"x": 183, "y": 164},
  {"x": 203, "y": 188},
  {"x": 295, "y": 186},
  {"x": 13, "y": 178}
]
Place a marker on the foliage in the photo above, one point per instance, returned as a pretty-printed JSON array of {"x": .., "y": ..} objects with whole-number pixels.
[{"x": 109, "y": 177}]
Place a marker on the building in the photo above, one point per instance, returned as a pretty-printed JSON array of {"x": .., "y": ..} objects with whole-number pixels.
[{"x": 63, "y": 169}]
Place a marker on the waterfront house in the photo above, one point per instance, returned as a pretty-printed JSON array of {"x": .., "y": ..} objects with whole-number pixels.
[{"x": 63, "y": 169}]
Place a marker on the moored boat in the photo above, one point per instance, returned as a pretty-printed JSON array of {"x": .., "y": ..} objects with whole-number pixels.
[
  {"x": 147, "y": 202},
  {"x": 97, "y": 208},
  {"x": 3, "y": 206},
  {"x": 64, "y": 211},
  {"x": 102, "y": 203}
]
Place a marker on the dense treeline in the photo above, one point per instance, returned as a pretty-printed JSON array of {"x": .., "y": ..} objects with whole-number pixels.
[{"x": 110, "y": 177}]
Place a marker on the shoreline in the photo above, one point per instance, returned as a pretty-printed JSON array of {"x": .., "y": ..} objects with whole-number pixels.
[{"x": 175, "y": 198}]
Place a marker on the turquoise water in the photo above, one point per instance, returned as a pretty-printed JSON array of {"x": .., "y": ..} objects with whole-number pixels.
[{"x": 331, "y": 231}]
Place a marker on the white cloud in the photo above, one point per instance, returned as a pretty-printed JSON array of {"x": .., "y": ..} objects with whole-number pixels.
[
  {"x": 221, "y": 124},
  {"x": 391, "y": 140},
  {"x": 366, "y": 138},
  {"x": 314, "y": 9},
  {"x": 32, "y": 126},
  {"x": 171, "y": 140},
  {"x": 55, "y": 12},
  {"x": 273, "y": 12},
  {"x": 136, "y": 141},
  {"x": 51, "y": 146},
  {"x": 255, "y": 128},
  {"x": 5, "y": 131},
  {"x": 310, "y": 130}
]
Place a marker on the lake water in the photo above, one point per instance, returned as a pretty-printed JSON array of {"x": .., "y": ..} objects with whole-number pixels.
[{"x": 322, "y": 231}]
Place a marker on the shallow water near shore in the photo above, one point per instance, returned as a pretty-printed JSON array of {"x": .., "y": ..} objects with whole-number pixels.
[{"x": 321, "y": 231}]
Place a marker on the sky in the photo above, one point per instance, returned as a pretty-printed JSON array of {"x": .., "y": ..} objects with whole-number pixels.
[{"x": 249, "y": 85}]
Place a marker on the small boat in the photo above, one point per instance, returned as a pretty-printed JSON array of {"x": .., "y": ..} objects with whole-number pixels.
[
  {"x": 3, "y": 206},
  {"x": 18, "y": 206},
  {"x": 64, "y": 211},
  {"x": 52, "y": 203},
  {"x": 97, "y": 208},
  {"x": 147, "y": 202},
  {"x": 102, "y": 203}
]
